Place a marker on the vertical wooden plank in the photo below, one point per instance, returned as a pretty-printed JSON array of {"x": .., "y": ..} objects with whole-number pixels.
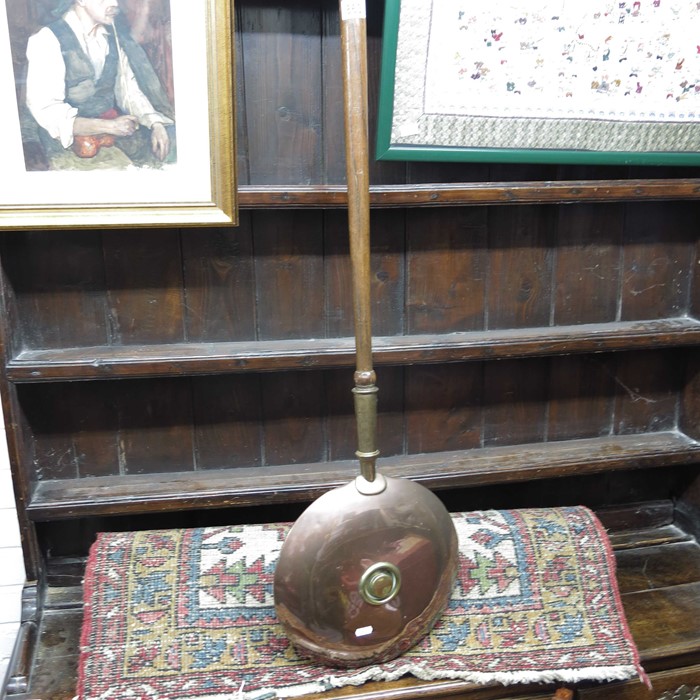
[
  {"x": 446, "y": 270},
  {"x": 294, "y": 430},
  {"x": 443, "y": 407},
  {"x": 144, "y": 278},
  {"x": 689, "y": 419},
  {"x": 73, "y": 427},
  {"x": 282, "y": 73},
  {"x": 420, "y": 172},
  {"x": 521, "y": 172},
  {"x": 659, "y": 250},
  {"x": 587, "y": 267},
  {"x": 391, "y": 419},
  {"x": 340, "y": 415},
  {"x": 332, "y": 89},
  {"x": 386, "y": 273},
  {"x": 59, "y": 288},
  {"x": 91, "y": 409},
  {"x": 289, "y": 274},
  {"x": 647, "y": 396},
  {"x": 514, "y": 396},
  {"x": 50, "y": 431},
  {"x": 219, "y": 283},
  {"x": 580, "y": 398},
  {"x": 228, "y": 431},
  {"x": 519, "y": 285},
  {"x": 155, "y": 426},
  {"x": 242, "y": 148},
  {"x": 694, "y": 289},
  {"x": 338, "y": 275}
]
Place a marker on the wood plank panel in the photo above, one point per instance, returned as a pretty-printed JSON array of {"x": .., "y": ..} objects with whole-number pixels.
[
  {"x": 443, "y": 407},
  {"x": 386, "y": 274},
  {"x": 647, "y": 386},
  {"x": 59, "y": 288},
  {"x": 219, "y": 283},
  {"x": 332, "y": 90},
  {"x": 514, "y": 398},
  {"x": 645, "y": 568},
  {"x": 289, "y": 275},
  {"x": 587, "y": 265},
  {"x": 338, "y": 276},
  {"x": 283, "y": 97},
  {"x": 664, "y": 684},
  {"x": 391, "y": 419},
  {"x": 155, "y": 427},
  {"x": 689, "y": 419},
  {"x": 242, "y": 154},
  {"x": 519, "y": 291},
  {"x": 294, "y": 430},
  {"x": 227, "y": 418},
  {"x": 664, "y": 623},
  {"x": 49, "y": 433},
  {"x": 73, "y": 429},
  {"x": 658, "y": 260},
  {"x": 446, "y": 270},
  {"x": 581, "y": 394},
  {"x": 143, "y": 272}
]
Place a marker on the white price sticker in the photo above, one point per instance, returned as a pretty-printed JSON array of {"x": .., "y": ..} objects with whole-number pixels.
[{"x": 353, "y": 9}]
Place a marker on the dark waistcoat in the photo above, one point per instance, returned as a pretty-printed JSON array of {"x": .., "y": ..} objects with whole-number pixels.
[{"x": 90, "y": 96}]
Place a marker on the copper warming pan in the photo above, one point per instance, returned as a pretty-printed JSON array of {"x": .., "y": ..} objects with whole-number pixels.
[{"x": 368, "y": 568}]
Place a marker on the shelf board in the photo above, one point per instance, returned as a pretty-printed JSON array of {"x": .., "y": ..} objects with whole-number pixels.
[
  {"x": 178, "y": 359},
  {"x": 471, "y": 193},
  {"x": 143, "y": 493}
]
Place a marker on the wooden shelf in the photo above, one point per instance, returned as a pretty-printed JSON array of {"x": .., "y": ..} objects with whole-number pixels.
[
  {"x": 457, "y": 194},
  {"x": 178, "y": 359},
  {"x": 142, "y": 493}
]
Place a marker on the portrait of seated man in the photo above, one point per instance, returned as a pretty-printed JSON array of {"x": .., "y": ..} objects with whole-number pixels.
[{"x": 92, "y": 98}]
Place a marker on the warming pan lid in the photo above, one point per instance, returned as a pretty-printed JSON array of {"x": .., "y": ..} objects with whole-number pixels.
[{"x": 361, "y": 578}]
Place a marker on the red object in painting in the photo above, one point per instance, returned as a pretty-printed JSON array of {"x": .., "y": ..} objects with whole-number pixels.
[{"x": 89, "y": 146}]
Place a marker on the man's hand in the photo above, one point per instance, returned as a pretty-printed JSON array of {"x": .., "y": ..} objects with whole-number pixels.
[
  {"x": 122, "y": 126},
  {"x": 160, "y": 141},
  {"x": 119, "y": 126}
]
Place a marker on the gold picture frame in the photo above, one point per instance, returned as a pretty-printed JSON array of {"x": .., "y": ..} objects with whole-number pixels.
[{"x": 199, "y": 186}]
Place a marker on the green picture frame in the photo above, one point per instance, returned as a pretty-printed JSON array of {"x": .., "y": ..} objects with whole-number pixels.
[{"x": 389, "y": 146}]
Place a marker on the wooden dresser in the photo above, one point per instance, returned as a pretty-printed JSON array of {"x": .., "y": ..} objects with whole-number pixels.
[{"x": 536, "y": 332}]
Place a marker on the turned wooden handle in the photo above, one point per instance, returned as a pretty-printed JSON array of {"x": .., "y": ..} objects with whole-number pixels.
[{"x": 353, "y": 37}]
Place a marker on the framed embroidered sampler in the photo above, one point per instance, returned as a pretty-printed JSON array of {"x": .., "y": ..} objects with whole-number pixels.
[
  {"x": 600, "y": 81},
  {"x": 117, "y": 113}
]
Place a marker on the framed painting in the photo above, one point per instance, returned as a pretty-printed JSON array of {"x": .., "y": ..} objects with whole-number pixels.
[
  {"x": 117, "y": 113},
  {"x": 558, "y": 81}
]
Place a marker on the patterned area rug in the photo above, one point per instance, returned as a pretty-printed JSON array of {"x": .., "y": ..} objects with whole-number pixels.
[{"x": 175, "y": 614}]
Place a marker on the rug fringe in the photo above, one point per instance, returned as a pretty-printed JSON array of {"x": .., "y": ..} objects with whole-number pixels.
[
  {"x": 375, "y": 673},
  {"x": 602, "y": 673}
]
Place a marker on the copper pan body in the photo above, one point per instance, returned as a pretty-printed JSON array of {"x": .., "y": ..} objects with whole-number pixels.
[{"x": 341, "y": 536}]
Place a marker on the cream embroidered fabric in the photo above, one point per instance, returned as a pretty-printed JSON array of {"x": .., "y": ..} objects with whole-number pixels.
[{"x": 594, "y": 75}]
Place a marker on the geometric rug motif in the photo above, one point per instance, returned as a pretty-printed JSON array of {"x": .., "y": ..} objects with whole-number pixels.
[{"x": 189, "y": 613}]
